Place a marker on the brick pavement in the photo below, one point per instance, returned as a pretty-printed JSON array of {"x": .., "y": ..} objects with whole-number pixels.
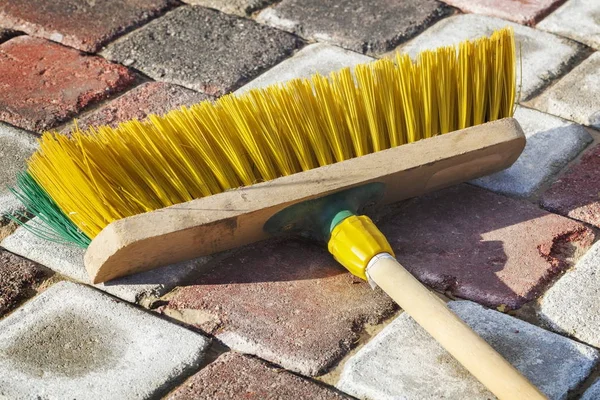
[{"x": 294, "y": 323}]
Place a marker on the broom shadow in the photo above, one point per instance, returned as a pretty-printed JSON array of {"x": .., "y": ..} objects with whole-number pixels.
[{"x": 444, "y": 238}]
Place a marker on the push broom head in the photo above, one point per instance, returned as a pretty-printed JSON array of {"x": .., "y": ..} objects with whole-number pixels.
[{"x": 78, "y": 184}]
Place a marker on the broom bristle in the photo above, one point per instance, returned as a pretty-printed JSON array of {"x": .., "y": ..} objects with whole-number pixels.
[{"x": 104, "y": 174}]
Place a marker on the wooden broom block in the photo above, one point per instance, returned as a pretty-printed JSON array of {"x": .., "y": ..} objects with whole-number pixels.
[{"x": 235, "y": 218}]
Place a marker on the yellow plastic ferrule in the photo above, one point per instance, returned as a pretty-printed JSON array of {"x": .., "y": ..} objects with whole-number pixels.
[{"x": 354, "y": 241}]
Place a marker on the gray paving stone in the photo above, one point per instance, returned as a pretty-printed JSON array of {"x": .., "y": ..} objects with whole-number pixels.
[
  {"x": 593, "y": 392},
  {"x": 68, "y": 261},
  {"x": 525, "y": 12},
  {"x": 16, "y": 145},
  {"x": 575, "y": 96},
  {"x": 73, "y": 342},
  {"x": 544, "y": 55},
  {"x": 203, "y": 49},
  {"x": 238, "y": 7},
  {"x": 572, "y": 305},
  {"x": 576, "y": 19},
  {"x": 365, "y": 26},
  {"x": 316, "y": 58},
  {"x": 404, "y": 362},
  {"x": 551, "y": 143}
]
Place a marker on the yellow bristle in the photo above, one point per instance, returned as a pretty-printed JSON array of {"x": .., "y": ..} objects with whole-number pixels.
[{"x": 105, "y": 174}]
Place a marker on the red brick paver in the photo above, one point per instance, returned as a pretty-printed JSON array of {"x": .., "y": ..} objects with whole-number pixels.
[
  {"x": 526, "y": 12},
  {"x": 138, "y": 103},
  {"x": 577, "y": 193},
  {"x": 43, "y": 83},
  {"x": 482, "y": 246},
  {"x": 235, "y": 376},
  {"x": 18, "y": 277},
  {"x": 286, "y": 301},
  {"x": 85, "y": 25}
]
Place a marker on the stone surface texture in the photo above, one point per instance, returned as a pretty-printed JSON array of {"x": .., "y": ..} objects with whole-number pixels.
[
  {"x": 285, "y": 301},
  {"x": 481, "y": 246},
  {"x": 593, "y": 392},
  {"x": 85, "y": 25},
  {"x": 575, "y": 97},
  {"x": 551, "y": 143},
  {"x": 576, "y": 19},
  {"x": 68, "y": 261},
  {"x": 575, "y": 194},
  {"x": 16, "y": 145},
  {"x": 75, "y": 342},
  {"x": 18, "y": 278},
  {"x": 238, "y": 7},
  {"x": 404, "y": 362},
  {"x": 544, "y": 56},
  {"x": 148, "y": 98},
  {"x": 572, "y": 305},
  {"x": 203, "y": 49},
  {"x": 315, "y": 58},
  {"x": 525, "y": 12},
  {"x": 370, "y": 27},
  {"x": 43, "y": 83},
  {"x": 235, "y": 376}
]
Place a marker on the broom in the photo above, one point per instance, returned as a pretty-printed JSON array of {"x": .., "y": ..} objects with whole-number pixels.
[{"x": 306, "y": 156}]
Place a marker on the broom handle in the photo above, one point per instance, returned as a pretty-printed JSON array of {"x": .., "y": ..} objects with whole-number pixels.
[{"x": 478, "y": 357}]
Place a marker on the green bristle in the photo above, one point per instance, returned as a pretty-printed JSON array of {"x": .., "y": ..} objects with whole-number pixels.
[{"x": 54, "y": 225}]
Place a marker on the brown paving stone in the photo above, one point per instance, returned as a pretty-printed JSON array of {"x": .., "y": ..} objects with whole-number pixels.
[
  {"x": 482, "y": 246},
  {"x": 526, "y": 12},
  {"x": 577, "y": 193},
  {"x": 43, "y": 83},
  {"x": 366, "y": 26},
  {"x": 235, "y": 376},
  {"x": 18, "y": 277},
  {"x": 85, "y": 25},
  {"x": 149, "y": 98},
  {"x": 286, "y": 301}
]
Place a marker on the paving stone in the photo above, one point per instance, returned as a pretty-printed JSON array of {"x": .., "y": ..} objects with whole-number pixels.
[
  {"x": 316, "y": 58},
  {"x": 18, "y": 278},
  {"x": 551, "y": 143},
  {"x": 572, "y": 305},
  {"x": 481, "y": 246},
  {"x": 16, "y": 146},
  {"x": 364, "y": 26},
  {"x": 285, "y": 301},
  {"x": 236, "y": 376},
  {"x": 525, "y": 12},
  {"x": 576, "y": 19},
  {"x": 544, "y": 56},
  {"x": 404, "y": 362},
  {"x": 238, "y": 7},
  {"x": 575, "y": 96},
  {"x": 203, "y": 49},
  {"x": 74, "y": 342},
  {"x": 575, "y": 193},
  {"x": 43, "y": 83},
  {"x": 149, "y": 98},
  {"x": 84, "y": 25},
  {"x": 593, "y": 392},
  {"x": 68, "y": 261}
]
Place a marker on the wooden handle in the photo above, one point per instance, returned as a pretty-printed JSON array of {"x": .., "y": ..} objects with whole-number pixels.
[{"x": 478, "y": 357}]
